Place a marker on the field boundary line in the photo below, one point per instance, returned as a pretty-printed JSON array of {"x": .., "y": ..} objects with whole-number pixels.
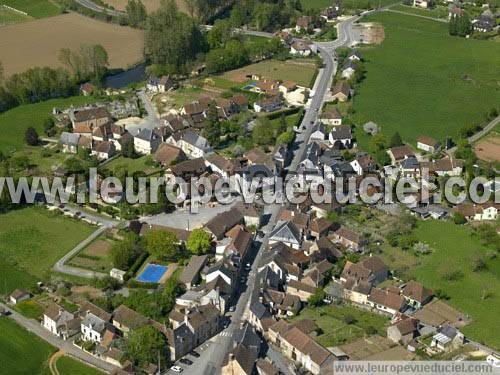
[{"x": 15, "y": 10}]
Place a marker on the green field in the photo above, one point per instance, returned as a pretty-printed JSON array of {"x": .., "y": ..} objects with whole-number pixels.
[
  {"x": 420, "y": 80},
  {"x": 127, "y": 166},
  {"x": 346, "y": 4},
  {"x": 34, "y": 8},
  {"x": 8, "y": 16},
  {"x": 69, "y": 366},
  {"x": 31, "y": 241},
  {"x": 453, "y": 247},
  {"x": 22, "y": 352},
  {"x": 14, "y": 122},
  {"x": 335, "y": 331}
]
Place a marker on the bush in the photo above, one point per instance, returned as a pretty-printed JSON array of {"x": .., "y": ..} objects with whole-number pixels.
[{"x": 349, "y": 319}]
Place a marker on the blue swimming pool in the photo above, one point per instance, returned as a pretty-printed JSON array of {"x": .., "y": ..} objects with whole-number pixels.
[{"x": 152, "y": 273}]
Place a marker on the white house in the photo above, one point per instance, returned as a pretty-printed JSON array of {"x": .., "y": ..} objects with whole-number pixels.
[
  {"x": 341, "y": 137},
  {"x": 428, "y": 144},
  {"x": 303, "y": 48},
  {"x": 19, "y": 295},
  {"x": 193, "y": 145},
  {"x": 92, "y": 328},
  {"x": 146, "y": 142},
  {"x": 54, "y": 319}
]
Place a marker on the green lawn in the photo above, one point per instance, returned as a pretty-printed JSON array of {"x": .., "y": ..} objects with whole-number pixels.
[
  {"x": 8, "y": 16},
  {"x": 131, "y": 166},
  {"x": 69, "y": 366},
  {"x": 420, "y": 80},
  {"x": 30, "y": 309},
  {"x": 22, "y": 352},
  {"x": 14, "y": 122},
  {"x": 335, "y": 331},
  {"x": 31, "y": 241},
  {"x": 35, "y": 8},
  {"x": 453, "y": 247}
]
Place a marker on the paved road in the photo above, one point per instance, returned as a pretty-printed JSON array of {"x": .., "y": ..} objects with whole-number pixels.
[
  {"x": 97, "y": 8},
  {"x": 489, "y": 127},
  {"x": 67, "y": 346},
  {"x": 152, "y": 119}
]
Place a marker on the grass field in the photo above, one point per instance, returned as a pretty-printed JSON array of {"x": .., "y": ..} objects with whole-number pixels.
[
  {"x": 8, "y": 17},
  {"x": 346, "y": 4},
  {"x": 69, "y": 366},
  {"x": 454, "y": 246},
  {"x": 35, "y": 8},
  {"x": 298, "y": 70},
  {"x": 420, "y": 80},
  {"x": 335, "y": 331},
  {"x": 436, "y": 12},
  {"x": 22, "y": 352},
  {"x": 131, "y": 166},
  {"x": 43, "y": 39},
  {"x": 32, "y": 240},
  {"x": 95, "y": 256},
  {"x": 30, "y": 309},
  {"x": 14, "y": 122}
]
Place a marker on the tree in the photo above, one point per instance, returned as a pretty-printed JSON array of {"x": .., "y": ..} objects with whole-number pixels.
[
  {"x": 199, "y": 242},
  {"x": 219, "y": 34},
  {"x": 136, "y": 12},
  {"x": 285, "y": 138},
  {"x": 49, "y": 126},
  {"x": 172, "y": 38},
  {"x": 396, "y": 140},
  {"x": 145, "y": 345},
  {"x": 478, "y": 263},
  {"x": 1, "y": 73},
  {"x": 262, "y": 133},
  {"x": 90, "y": 62},
  {"x": 317, "y": 298},
  {"x": 453, "y": 26},
  {"x": 458, "y": 218},
  {"x": 31, "y": 137},
  {"x": 128, "y": 149},
  {"x": 212, "y": 129},
  {"x": 464, "y": 26},
  {"x": 162, "y": 244},
  {"x": 124, "y": 253}
]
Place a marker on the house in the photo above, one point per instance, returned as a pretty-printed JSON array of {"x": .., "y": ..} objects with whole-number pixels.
[
  {"x": 341, "y": 137},
  {"x": 242, "y": 358},
  {"x": 268, "y": 104},
  {"x": 281, "y": 156},
  {"x": 266, "y": 367},
  {"x": 287, "y": 233},
  {"x": 223, "y": 222},
  {"x": 19, "y": 295},
  {"x": 187, "y": 169},
  {"x": 219, "y": 164},
  {"x": 301, "y": 348},
  {"x": 93, "y": 327},
  {"x": 69, "y": 142},
  {"x": 267, "y": 86},
  {"x": 127, "y": 320},
  {"x": 477, "y": 212},
  {"x": 348, "y": 69},
  {"x": 363, "y": 164},
  {"x": 318, "y": 132},
  {"x": 303, "y": 48},
  {"x": 85, "y": 120},
  {"x": 240, "y": 242},
  {"x": 386, "y": 300},
  {"x": 454, "y": 11},
  {"x": 331, "y": 13},
  {"x": 168, "y": 154},
  {"x": 320, "y": 227},
  {"x": 304, "y": 23},
  {"x": 403, "y": 331},
  {"x": 447, "y": 166},
  {"x": 447, "y": 338},
  {"x": 416, "y": 294},
  {"x": 87, "y": 89},
  {"x": 371, "y": 270},
  {"x": 56, "y": 320},
  {"x": 252, "y": 214},
  {"x": 191, "y": 273},
  {"x": 285, "y": 37},
  {"x": 104, "y": 150},
  {"x": 302, "y": 290},
  {"x": 410, "y": 167},
  {"x": 354, "y": 55},
  {"x": 159, "y": 85},
  {"x": 349, "y": 239},
  {"x": 331, "y": 117},
  {"x": 399, "y": 153},
  {"x": 193, "y": 145},
  {"x": 147, "y": 141},
  {"x": 428, "y": 144},
  {"x": 341, "y": 91},
  {"x": 423, "y": 3},
  {"x": 223, "y": 269}
]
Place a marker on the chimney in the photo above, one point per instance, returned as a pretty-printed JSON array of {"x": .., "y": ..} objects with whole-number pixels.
[{"x": 231, "y": 356}]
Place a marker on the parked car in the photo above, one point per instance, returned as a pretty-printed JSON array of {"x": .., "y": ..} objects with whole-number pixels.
[
  {"x": 195, "y": 354},
  {"x": 176, "y": 369},
  {"x": 232, "y": 308},
  {"x": 186, "y": 361}
]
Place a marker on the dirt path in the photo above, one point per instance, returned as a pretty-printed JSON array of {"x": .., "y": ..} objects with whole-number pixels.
[{"x": 53, "y": 362}]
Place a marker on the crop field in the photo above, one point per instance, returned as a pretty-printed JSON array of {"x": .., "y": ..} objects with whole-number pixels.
[
  {"x": 13, "y": 124},
  {"x": 21, "y": 352},
  {"x": 31, "y": 241},
  {"x": 34, "y": 8},
  {"x": 420, "y": 80},
  {"x": 488, "y": 148},
  {"x": 298, "y": 70},
  {"x": 94, "y": 256},
  {"x": 43, "y": 39},
  {"x": 151, "y": 5}
]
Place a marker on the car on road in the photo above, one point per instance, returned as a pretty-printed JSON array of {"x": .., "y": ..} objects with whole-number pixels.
[
  {"x": 316, "y": 109},
  {"x": 232, "y": 308},
  {"x": 176, "y": 369},
  {"x": 186, "y": 361},
  {"x": 195, "y": 354}
]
